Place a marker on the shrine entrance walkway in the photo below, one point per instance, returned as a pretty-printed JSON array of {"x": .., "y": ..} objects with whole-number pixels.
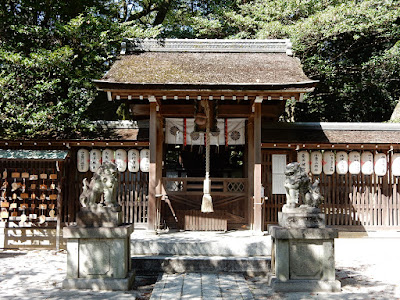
[{"x": 198, "y": 286}]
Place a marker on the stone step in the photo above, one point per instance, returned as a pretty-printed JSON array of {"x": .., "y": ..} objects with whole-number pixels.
[
  {"x": 251, "y": 266},
  {"x": 201, "y": 244}
]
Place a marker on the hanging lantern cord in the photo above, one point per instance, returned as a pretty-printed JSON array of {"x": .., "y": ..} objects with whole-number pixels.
[{"x": 206, "y": 204}]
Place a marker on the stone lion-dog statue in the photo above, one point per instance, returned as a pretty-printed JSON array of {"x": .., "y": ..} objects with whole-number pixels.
[
  {"x": 298, "y": 183},
  {"x": 103, "y": 182}
]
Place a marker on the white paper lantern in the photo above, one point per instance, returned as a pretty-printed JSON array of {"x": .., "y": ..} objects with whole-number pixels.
[
  {"x": 83, "y": 160},
  {"x": 133, "y": 160},
  {"x": 367, "y": 163},
  {"x": 380, "y": 164},
  {"x": 316, "y": 162},
  {"x": 354, "y": 162},
  {"x": 121, "y": 160},
  {"x": 303, "y": 158},
  {"x": 145, "y": 160},
  {"x": 396, "y": 164},
  {"x": 329, "y": 162},
  {"x": 342, "y": 162},
  {"x": 95, "y": 160},
  {"x": 108, "y": 156}
]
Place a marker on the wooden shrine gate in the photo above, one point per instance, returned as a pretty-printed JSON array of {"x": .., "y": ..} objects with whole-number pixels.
[{"x": 360, "y": 202}]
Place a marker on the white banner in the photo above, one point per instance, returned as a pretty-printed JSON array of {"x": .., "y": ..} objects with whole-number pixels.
[
  {"x": 181, "y": 131},
  {"x": 174, "y": 131}
]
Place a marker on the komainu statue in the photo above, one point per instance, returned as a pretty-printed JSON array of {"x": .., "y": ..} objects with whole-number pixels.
[
  {"x": 103, "y": 182},
  {"x": 298, "y": 183}
]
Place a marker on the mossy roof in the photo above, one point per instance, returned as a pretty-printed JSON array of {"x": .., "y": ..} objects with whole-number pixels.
[{"x": 206, "y": 68}]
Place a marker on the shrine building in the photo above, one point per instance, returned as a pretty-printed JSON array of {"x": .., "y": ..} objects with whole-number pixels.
[{"x": 204, "y": 149}]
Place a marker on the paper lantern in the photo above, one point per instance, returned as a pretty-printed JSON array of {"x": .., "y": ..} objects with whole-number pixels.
[
  {"x": 367, "y": 163},
  {"x": 380, "y": 164},
  {"x": 342, "y": 162},
  {"x": 83, "y": 160},
  {"x": 354, "y": 163},
  {"x": 316, "y": 162},
  {"x": 303, "y": 158},
  {"x": 396, "y": 164},
  {"x": 329, "y": 162},
  {"x": 145, "y": 160},
  {"x": 108, "y": 156},
  {"x": 133, "y": 160},
  {"x": 121, "y": 160},
  {"x": 95, "y": 160}
]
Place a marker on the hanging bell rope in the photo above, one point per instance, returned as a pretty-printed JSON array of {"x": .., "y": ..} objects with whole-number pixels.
[{"x": 206, "y": 204}]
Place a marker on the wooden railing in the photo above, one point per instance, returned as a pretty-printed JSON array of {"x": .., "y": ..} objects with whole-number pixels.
[{"x": 194, "y": 185}]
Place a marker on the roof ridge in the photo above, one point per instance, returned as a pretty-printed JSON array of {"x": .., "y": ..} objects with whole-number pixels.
[{"x": 207, "y": 45}]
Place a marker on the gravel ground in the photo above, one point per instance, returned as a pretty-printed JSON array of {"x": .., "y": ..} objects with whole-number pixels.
[{"x": 368, "y": 268}]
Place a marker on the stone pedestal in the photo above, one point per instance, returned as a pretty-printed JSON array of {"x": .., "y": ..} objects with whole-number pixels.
[
  {"x": 301, "y": 217},
  {"x": 99, "y": 216},
  {"x": 303, "y": 259},
  {"x": 98, "y": 258}
]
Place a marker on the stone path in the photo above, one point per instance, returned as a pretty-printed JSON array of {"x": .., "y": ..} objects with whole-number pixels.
[
  {"x": 199, "y": 286},
  {"x": 369, "y": 268}
]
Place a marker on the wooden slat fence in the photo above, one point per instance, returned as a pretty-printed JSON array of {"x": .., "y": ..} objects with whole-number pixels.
[
  {"x": 131, "y": 194},
  {"x": 365, "y": 201}
]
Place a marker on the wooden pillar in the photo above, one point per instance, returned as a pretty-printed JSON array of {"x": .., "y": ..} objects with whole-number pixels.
[
  {"x": 159, "y": 164},
  {"x": 250, "y": 171},
  {"x": 152, "y": 200},
  {"x": 258, "y": 223}
]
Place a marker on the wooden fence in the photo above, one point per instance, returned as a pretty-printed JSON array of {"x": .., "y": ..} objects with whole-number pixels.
[
  {"x": 353, "y": 201},
  {"x": 131, "y": 194}
]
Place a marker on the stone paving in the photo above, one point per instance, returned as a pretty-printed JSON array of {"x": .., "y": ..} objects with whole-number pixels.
[
  {"x": 368, "y": 268},
  {"x": 198, "y": 286}
]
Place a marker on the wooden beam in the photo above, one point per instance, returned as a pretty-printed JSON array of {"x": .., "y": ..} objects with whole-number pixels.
[
  {"x": 258, "y": 223},
  {"x": 250, "y": 170},
  {"x": 159, "y": 164},
  {"x": 224, "y": 110},
  {"x": 152, "y": 201}
]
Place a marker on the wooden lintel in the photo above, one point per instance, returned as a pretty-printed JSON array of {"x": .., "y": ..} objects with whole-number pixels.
[
  {"x": 224, "y": 110},
  {"x": 328, "y": 146},
  {"x": 139, "y": 96},
  {"x": 75, "y": 143}
]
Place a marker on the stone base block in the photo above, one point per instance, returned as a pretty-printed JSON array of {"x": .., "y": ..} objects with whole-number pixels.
[
  {"x": 304, "y": 259},
  {"x": 100, "y": 254},
  {"x": 98, "y": 284},
  {"x": 99, "y": 216},
  {"x": 305, "y": 285},
  {"x": 301, "y": 220}
]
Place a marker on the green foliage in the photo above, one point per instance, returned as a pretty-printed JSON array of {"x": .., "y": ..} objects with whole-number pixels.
[
  {"x": 46, "y": 73},
  {"x": 51, "y": 50},
  {"x": 351, "y": 47}
]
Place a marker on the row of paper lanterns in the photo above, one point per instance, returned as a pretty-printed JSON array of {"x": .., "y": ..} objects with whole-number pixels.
[
  {"x": 133, "y": 160},
  {"x": 342, "y": 162}
]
